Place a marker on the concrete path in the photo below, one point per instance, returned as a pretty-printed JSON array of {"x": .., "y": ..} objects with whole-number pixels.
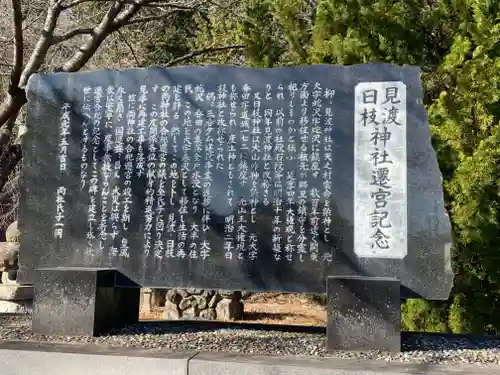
[{"x": 29, "y": 358}]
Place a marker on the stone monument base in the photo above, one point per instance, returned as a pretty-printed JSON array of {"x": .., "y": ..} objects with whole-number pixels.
[
  {"x": 82, "y": 302},
  {"x": 363, "y": 313}
]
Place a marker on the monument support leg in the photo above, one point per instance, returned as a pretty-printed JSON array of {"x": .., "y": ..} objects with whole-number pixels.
[
  {"x": 81, "y": 302},
  {"x": 363, "y": 313}
]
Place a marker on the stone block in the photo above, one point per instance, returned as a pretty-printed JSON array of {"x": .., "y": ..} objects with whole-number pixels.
[
  {"x": 81, "y": 302},
  {"x": 363, "y": 313},
  {"x": 171, "y": 311}
]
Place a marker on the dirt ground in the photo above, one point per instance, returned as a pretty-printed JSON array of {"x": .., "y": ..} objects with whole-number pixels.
[{"x": 273, "y": 308}]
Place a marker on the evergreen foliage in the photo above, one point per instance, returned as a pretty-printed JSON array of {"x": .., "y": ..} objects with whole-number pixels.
[{"x": 457, "y": 45}]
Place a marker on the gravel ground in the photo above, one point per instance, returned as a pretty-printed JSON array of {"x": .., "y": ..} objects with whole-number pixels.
[{"x": 420, "y": 348}]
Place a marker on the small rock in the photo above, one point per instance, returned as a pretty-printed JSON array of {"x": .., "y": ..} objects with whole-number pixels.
[
  {"x": 187, "y": 302},
  {"x": 190, "y": 313},
  {"x": 12, "y": 233},
  {"x": 215, "y": 300},
  {"x": 195, "y": 291},
  {"x": 9, "y": 253},
  {"x": 201, "y": 302},
  {"x": 183, "y": 293},
  {"x": 208, "y": 294},
  {"x": 208, "y": 314},
  {"x": 173, "y": 297},
  {"x": 229, "y": 309},
  {"x": 171, "y": 311}
]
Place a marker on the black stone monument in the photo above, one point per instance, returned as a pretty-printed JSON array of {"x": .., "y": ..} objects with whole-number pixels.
[{"x": 295, "y": 179}]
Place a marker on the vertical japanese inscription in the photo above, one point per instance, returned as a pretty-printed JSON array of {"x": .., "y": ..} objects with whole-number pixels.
[
  {"x": 243, "y": 171},
  {"x": 184, "y": 209},
  {"x": 151, "y": 172},
  {"x": 94, "y": 178},
  {"x": 159, "y": 243},
  {"x": 305, "y": 153},
  {"x": 327, "y": 174},
  {"x": 210, "y": 123},
  {"x": 63, "y": 156},
  {"x": 255, "y": 176},
  {"x": 279, "y": 173},
  {"x": 380, "y": 215},
  {"x": 229, "y": 221},
  {"x": 118, "y": 150},
  {"x": 126, "y": 198},
  {"x": 86, "y": 108},
  {"x": 291, "y": 177},
  {"x": 273, "y": 142},
  {"x": 176, "y": 247},
  {"x": 316, "y": 148},
  {"x": 106, "y": 167}
]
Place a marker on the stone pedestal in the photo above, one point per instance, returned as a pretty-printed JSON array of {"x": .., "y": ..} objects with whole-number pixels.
[
  {"x": 82, "y": 302},
  {"x": 363, "y": 313}
]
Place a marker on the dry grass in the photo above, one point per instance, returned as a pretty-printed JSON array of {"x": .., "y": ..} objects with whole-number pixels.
[{"x": 273, "y": 308}]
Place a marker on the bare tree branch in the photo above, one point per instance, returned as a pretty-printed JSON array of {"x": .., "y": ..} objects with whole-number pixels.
[
  {"x": 100, "y": 33},
  {"x": 125, "y": 18},
  {"x": 40, "y": 52},
  {"x": 17, "y": 24},
  {"x": 61, "y": 38},
  {"x": 129, "y": 47},
  {"x": 149, "y": 18},
  {"x": 141, "y": 3},
  {"x": 160, "y": 4},
  {"x": 202, "y": 52},
  {"x": 74, "y": 3}
]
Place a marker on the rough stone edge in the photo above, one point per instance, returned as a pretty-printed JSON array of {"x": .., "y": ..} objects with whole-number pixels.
[{"x": 228, "y": 363}]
